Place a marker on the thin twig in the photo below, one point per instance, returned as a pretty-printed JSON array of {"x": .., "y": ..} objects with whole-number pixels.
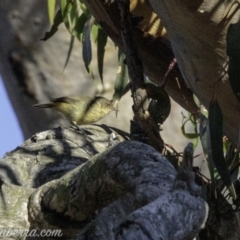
[{"x": 170, "y": 68}]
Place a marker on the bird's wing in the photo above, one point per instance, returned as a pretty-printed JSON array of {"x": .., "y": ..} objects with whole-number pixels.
[{"x": 69, "y": 99}]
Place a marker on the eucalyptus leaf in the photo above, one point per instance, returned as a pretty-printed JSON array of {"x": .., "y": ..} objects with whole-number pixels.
[
  {"x": 64, "y": 10},
  {"x": 57, "y": 21},
  {"x": 188, "y": 135},
  {"x": 216, "y": 144},
  {"x": 101, "y": 43},
  {"x": 78, "y": 29},
  {"x": 70, "y": 14},
  {"x": 69, "y": 51},
  {"x": 122, "y": 79},
  {"x": 51, "y": 10},
  {"x": 94, "y": 32},
  {"x": 205, "y": 140},
  {"x": 86, "y": 44},
  {"x": 84, "y": 9}
]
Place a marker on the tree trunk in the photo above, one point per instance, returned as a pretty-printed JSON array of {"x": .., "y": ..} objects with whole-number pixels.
[{"x": 90, "y": 187}]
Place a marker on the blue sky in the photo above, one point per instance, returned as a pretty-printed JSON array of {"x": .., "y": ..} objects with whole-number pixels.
[{"x": 11, "y": 135}]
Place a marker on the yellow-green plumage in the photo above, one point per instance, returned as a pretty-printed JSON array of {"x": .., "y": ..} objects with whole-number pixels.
[{"x": 80, "y": 110}]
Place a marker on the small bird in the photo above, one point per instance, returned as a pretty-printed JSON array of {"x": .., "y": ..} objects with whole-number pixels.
[{"x": 80, "y": 110}]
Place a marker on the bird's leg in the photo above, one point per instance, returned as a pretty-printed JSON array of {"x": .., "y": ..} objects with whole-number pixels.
[{"x": 78, "y": 129}]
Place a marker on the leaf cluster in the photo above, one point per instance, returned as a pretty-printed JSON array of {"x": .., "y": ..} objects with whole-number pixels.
[
  {"x": 221, "y": 155},
  {"x": 81, "y": 25}
]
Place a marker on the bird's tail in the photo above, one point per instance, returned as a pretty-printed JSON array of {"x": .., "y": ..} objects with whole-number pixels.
[{"x": 46, "y": 105}]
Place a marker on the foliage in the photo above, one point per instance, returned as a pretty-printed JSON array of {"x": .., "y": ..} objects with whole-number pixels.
[
  {"x": 193, "y": 120},
  {"x": 81, "y": 24},
  {"x": 221, "y": 155}
]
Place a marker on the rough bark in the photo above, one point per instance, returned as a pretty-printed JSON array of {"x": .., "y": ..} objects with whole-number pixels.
[{"x": 91, "y": 187}]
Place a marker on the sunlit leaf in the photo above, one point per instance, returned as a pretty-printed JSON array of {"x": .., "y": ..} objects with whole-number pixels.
[
  {"x": 51, "y": 10},
  {"x": 57, "y": 20},
  {"x": 84, "y": 9},
  {"x": 94, "y": 32},
  {"x": 216, "y": 144}
]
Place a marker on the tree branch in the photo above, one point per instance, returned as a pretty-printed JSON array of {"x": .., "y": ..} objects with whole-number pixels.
[
  {"x": 95, "y": 198},
  {"x": 138, "y": 88}
]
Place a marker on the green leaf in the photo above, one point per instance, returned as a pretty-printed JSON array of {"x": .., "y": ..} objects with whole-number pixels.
[
  {"x": 101, "y": 43},
  {"x": 194, "y": 135},
  {"x": 99, "y": 37},
  {"x": 204, "y": 137},
  {"x": 188, "y": 135},
  {"x": 78, "y": 29},
  {"x": 57, "y": 20},
  {"x": 51, "y": 10},
  {"x": 122, "y": 78},
  {"x": 216, "y": 144},
  {"x": 69, "y": 51},
  {"x": 70, "y": 13},
  {"x": 64, "y": 10},
  {"x": 84, "y": 9},
  {"x": 94, "y": 32},
  {"x": 233, "y": 51},
  {"x": 87, "y": 45}
]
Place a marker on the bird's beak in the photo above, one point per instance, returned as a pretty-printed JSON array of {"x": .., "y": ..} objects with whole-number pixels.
[
  {"x": 115, "y": 107},
  {"x": 116, "y": 111}
]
